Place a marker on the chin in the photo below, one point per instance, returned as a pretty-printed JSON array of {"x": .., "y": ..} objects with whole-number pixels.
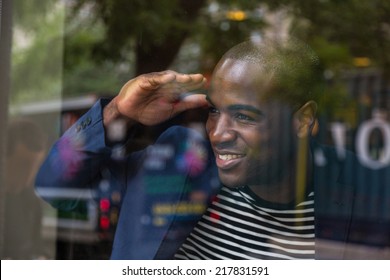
[{"x": 231, "y": 181}]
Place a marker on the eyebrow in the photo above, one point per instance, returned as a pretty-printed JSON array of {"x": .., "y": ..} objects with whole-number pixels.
[
  {"x": 250, "y": 108},
  {"x": 238, "y": 107}
]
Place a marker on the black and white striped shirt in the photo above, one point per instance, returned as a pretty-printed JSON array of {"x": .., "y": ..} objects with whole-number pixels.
[{"x": 239, "y": 225}]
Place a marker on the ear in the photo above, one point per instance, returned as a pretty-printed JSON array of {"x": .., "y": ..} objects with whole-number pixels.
[{"x": 305, "y": 118}]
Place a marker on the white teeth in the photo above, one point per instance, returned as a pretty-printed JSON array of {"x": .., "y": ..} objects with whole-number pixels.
[{"x": 228, "y": 157}]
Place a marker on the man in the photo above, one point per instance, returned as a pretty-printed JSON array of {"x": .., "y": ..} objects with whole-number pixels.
[
  {"x": 261, "y": 118},
  {"x": 261, "y": 114},
  {"x": 265, "y": 208}
]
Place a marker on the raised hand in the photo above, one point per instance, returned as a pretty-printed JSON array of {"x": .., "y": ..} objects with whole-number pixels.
[{"x": 153, "y": 98}]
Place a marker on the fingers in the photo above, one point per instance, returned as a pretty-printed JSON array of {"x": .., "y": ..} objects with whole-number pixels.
[
  {"x": 155, "y": 80},
  {"x": 189, "y": 78},
  {"x": 171, "y": 80},
  {"x": 190, "y": 82}
]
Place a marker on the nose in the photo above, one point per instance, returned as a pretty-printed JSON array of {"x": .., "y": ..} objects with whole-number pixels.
[{"x": 220, "y": 130}]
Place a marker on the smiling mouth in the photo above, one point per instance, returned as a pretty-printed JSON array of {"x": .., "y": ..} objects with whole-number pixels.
[
  {"x": 229, "y": 157},
  {"x": 228, "y": 161}
]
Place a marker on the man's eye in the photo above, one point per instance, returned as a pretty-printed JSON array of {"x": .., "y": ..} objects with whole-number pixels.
[
  {"x": 213, "y": 110},
  {"x": 244, "y": 117}
]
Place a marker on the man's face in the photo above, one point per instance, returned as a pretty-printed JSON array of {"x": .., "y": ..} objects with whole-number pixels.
[{"x": 250, "y": 134}]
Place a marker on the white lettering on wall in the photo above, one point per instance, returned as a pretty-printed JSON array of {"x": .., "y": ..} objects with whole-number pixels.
[{"x": 362, "y": 143}]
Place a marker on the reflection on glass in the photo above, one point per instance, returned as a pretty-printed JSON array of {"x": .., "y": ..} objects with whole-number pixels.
[{"x": 67, "y": 55}]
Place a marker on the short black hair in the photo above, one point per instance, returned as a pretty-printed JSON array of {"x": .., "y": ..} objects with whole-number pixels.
[{"x": 294, "y": 68}]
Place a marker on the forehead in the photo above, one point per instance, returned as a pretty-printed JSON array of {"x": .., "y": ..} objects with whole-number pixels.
[{"x": 243, "y": 80}]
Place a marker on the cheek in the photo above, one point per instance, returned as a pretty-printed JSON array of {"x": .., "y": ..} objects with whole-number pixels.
[
  {"x": 209, "y": 126},
  {"x": 257, "y": 139}
]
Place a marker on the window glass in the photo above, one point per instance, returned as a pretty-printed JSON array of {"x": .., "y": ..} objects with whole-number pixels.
[{"x": 281, "y": 160}]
